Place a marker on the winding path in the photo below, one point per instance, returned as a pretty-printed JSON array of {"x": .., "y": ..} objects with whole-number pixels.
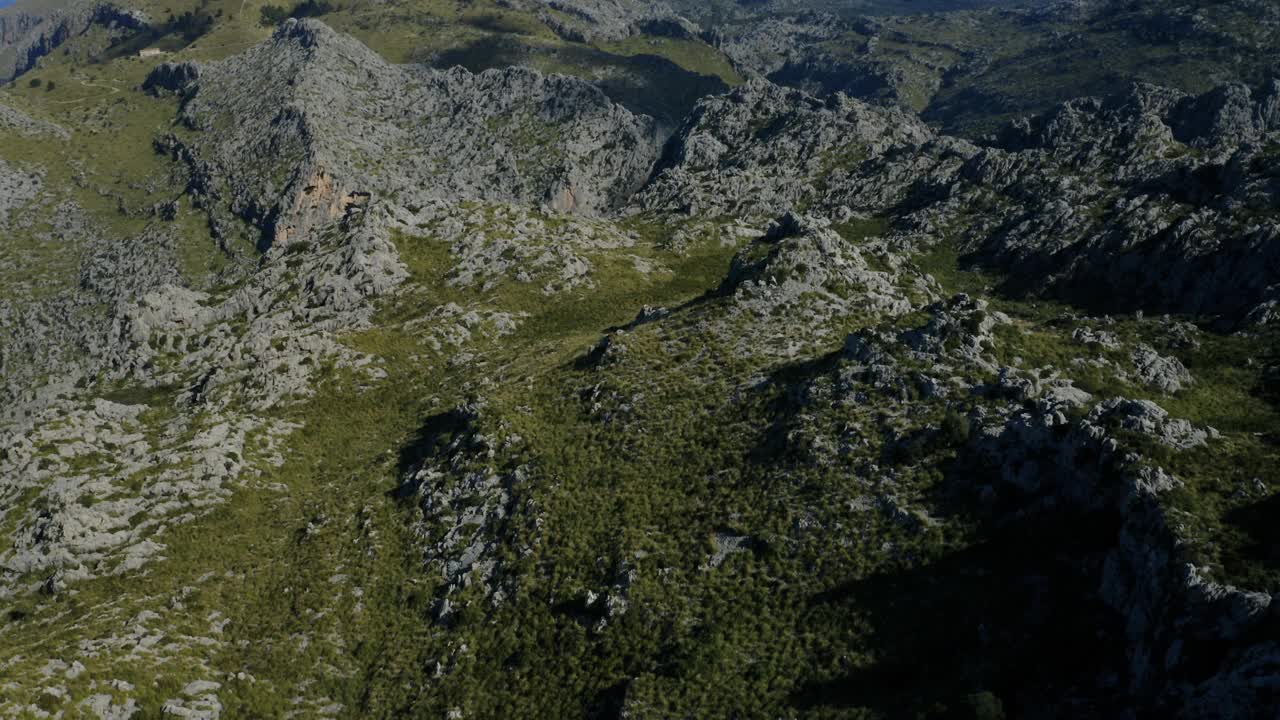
[{"x": 114, "y": 91}]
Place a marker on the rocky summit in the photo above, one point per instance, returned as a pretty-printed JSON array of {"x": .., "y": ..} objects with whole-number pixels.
[{"x": 636, "y": 359}]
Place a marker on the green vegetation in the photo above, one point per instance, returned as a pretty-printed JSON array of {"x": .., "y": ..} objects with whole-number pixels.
[
  {"x": 692, "y": 55},
  {"x": 651, "y": 487},
  {"x": 274, "y": 15},
  {"x": 1226, "y": 484},
  {"x": 705, "y": 514}
]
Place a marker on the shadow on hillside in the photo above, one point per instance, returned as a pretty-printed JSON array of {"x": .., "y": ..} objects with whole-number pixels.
[
  {"x": 173, "y": 35},
  {"x": 496, "y": 23},
  {"x": 435, "y": 433},
  {"x": 646, "y": 84},
  {"x": 789, "y": 382},
  {"x": 1259, "y": 523},
  {"x": 1014, "y": 618}
]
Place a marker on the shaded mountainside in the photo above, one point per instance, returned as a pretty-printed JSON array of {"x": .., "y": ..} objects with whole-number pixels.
[
  {"x": 340, "y": 387},
  {"x": 972, "y": 71},
  {"x": 25, "y": 38},
  {"x": 1126, "y": 201}
]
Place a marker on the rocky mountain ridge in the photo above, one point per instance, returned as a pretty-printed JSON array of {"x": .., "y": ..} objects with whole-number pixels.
[
  {"x": 1073, "y": 198},
  {"x": 551, "y": 133},
  {"x": 951, "y": 67},
  {"x": 807, "y": 410},
  {"x": 25, "y": 38}
]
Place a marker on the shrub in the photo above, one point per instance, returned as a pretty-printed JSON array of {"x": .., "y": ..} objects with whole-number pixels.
[
  {"x": 273, "y": 15},
  {"x": 986, "y": 706},
  {"x": 191, "y": 25},
  {"x": 974, "y": 322},
  {"x": 955, "y": 429},
  {"x": 312, "y": 8},
  {"x": 1269, "y": 387}
]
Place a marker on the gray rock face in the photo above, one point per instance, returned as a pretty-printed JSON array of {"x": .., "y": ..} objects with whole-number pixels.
[
  {"x": 237, "y": 355},
  {"x": 209, "y": 363},
  {"x": 1162, "y": 175},
  {"x": 592, "y": 20},
  {"x": 941, "y": 358},
  {"x": 787, "y": 287},
  {"x": 1166, "y": 374},
  {"x": 331, "y": 126},
  {"x": 315, "y": 143},
  {"x": 1172, "y": 616},
  {"x": 17, "y": 188},
  {"x": 953, "y": 67},
  {"x": 217, "y": 361},
  {"x": 792, "y": 50},
  {"x": 802, "y": 257},
  {"x": 958, "y": 328},
  {"x": 1124, "y": 199},
  {"x": 762, "y": 149},
  {"x": 1098, "y": 338},
  {"x": 16, "y": 25},
  {"x": 34, "y": 37},
  {"x": 72, "y": 533},
  {"x": 470, "y": 506},
  {"x": 49, "y": 335},
  {"x": 23, "y": 124},
  {"x": 764, "y": 47},
  {"x": 1148, "y": 418},
  {"x": 175, "y": 78}
]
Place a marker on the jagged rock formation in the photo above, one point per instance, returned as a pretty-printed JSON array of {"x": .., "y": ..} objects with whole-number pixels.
[
  {"x": 821, "y": 54},
  {"x": 791, "y": 283},
  {"x": 266, "y": 340},
  {"x": 1131, "y": 218},
  {"x": 470, "y": 507},
  {"x": 766, "y": 46},
  {"x": 716, "y": 163},
  {"x": 339, "y": 124},
  {"x": 16, "y": 25},
  {"x": 256, "y": 342},
  {"x": 1174, "y": 170},
  {"x": 516, "y": 410},
  {"x": 953, "y": 67},
  {"x": 31, "y": 38},
  {"x": 1192, "y": 644},
  {"x": 592, "y": 20},
  {"x": 16, "y": 189}
]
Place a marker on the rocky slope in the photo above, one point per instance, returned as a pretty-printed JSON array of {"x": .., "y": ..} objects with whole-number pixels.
[
  {"x": 612, "y": 19},
  {"x": 331, "y": 123},
  {"x": 26, "y": 37},
  {"x": 348, "y": 388},
  {"x": 956, "y": 67},
  {"x": 1122, "y": 199}
]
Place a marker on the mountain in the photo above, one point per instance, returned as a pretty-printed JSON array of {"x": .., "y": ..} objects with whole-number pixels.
[
  {"x": 971, "y": 72},
  {"x": 613, "y": 359}
]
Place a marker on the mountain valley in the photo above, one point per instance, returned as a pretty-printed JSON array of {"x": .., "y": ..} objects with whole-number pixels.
[{"x": 631, "y": 359}]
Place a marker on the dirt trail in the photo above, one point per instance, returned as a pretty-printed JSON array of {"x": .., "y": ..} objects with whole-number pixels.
[{"x": 114, "y": 91}]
